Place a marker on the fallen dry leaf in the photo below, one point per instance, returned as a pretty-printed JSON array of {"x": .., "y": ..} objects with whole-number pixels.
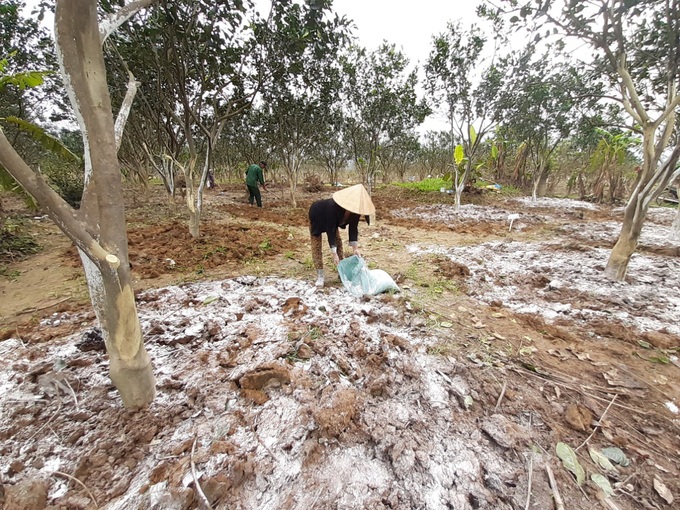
[
  {"x": 615, "y": 378},
  {"x": 663, "y": 491}
]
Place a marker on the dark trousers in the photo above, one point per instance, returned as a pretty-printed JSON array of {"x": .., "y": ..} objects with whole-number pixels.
[{"x": 254, "y": 194}]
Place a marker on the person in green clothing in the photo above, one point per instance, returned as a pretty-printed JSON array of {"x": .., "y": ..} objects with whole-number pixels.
[{"x": 254, "y": 176}]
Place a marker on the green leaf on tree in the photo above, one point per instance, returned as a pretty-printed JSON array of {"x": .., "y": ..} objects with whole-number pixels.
[{"x": 458, "y": 154}]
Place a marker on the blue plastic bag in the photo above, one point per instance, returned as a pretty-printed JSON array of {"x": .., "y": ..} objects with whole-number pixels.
[{"x": 359, "y": 280}]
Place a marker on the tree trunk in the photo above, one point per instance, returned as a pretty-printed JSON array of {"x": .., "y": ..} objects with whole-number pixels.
[
  {"x": 619, "y": 258},
  {"x": 82, "y": 64},
  {"x": 129, "y": 364},
  {"x": 194, "y": 214},
  {"x": 675, "y": 226},
  {"x": 190, "y": 198},
  {"x": 291, "y": 188},
  {"x": 459, "y": 185},
  {"x": 633, "y": 219},
  {"x": 654, "y": 180},
  {"x": 459, "y": 193},
  {"x": 541, "y": 183}
]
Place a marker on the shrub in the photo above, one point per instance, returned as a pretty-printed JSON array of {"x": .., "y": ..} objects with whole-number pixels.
[
  {"x": 14, "y": 243},
  {"x": 67, "y": 180}
]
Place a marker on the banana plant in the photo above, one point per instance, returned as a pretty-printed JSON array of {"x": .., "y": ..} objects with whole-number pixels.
[
  {"x": 462, "y": 167},
  {"x": 22, "y": 81},
  {"x": 49, "y": 142},
  {"x": 606, "y": 163}
]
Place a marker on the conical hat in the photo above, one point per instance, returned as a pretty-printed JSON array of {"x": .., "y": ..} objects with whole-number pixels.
[{"x": 355, "y": 199}]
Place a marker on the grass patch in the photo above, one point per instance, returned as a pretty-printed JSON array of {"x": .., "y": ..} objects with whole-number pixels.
[
  {"x": 15, "y": 245},
  {"x": 265, "y": 245},
  {"x": 292, "y": 356},
  {"x": 214, "y": 250},
  {"x": 439, "y": 287},
  {"x": 432, "y": 184},
  {"x": 510, "y": 191},
  {"x": 10, "y": 274}
]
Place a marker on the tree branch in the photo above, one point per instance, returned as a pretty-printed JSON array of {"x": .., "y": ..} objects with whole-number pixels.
[
  {"x": 63, "y": 215},
  {"x": 111, "y": 23},
  {"x": 673, "y": 102},
  {"x": 627, "y": 85},
  {"x": 661, "y": 177},
  {"x": 125, "y": 107}
]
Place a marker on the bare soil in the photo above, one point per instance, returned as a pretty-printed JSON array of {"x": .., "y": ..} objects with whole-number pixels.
[{"x": 452, "y": 393}]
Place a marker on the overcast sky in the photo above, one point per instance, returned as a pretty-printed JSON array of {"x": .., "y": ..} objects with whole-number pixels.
[{"x": 410, "y": 25}]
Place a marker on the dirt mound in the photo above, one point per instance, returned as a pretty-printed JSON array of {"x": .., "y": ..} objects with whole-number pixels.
[
  {"x": 169, "y": 248},
  {"x": 368, "y": 419},
  {"x": 366, "y": 409},
  {"x": 275, "y": 395}
]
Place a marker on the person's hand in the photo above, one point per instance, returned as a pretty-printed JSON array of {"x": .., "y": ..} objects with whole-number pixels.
[
  {"x": 336, "y": 258},
  {"x": 356, "y": 251}
]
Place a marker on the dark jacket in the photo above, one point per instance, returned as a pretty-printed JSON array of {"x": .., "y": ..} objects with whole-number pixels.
[{"x": 327, "y": 216}]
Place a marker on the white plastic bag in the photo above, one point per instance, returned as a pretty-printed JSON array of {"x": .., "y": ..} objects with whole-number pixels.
[{"x": 359, "y": 280}]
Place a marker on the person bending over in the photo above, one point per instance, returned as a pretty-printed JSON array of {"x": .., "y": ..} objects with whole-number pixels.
[{"x": 346, "y": 207}]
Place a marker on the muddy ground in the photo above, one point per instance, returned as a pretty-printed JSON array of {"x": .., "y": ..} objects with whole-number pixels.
[{"x": 504, "y": 341}]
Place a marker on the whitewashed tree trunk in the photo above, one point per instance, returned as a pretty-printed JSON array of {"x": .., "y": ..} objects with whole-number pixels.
[
  {"x": 654, "y": 181},
  {"x": 459, "y": 185},
  {"x": 675, "y": 226},
  {"x": 212, "y": 140},
  {"x": 190, "y": 197},
  {"x": 78, "y": 41},
  {"x": 540, "y": 178},
  {"x": 654, "y": 176},
  {"x": 292, "y": 161}
]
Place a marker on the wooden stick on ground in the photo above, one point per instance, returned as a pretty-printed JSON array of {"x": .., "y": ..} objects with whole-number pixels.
[
  {"x": 531, "y": 474},
  {"x": 559, "y": 504},
  {"x": 599, "y": 423},
  {"x": 73, "y": 393},
  {"x": 500, "y": 397},
  {"x": 199, "y": 490},
  {"x": 66, "y": 475},
  {"x": 23, "y": 344}
]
